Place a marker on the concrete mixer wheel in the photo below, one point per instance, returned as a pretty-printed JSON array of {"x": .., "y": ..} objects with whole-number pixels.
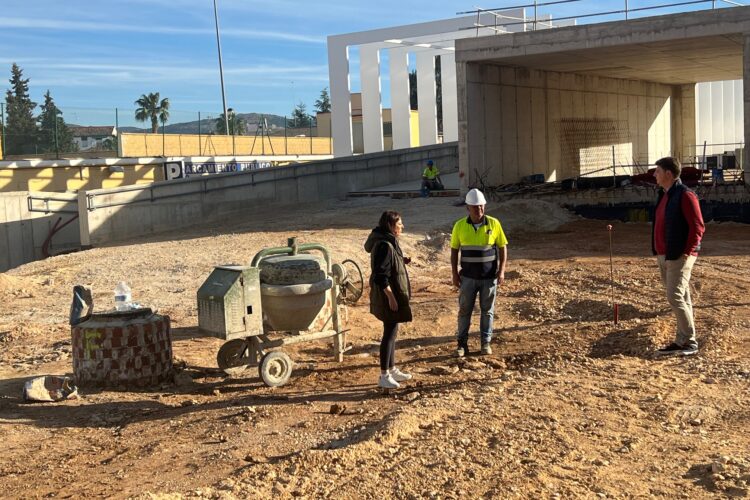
[
  {"x": 275, "y": 368},
  {"x": 353, "y": 285},
  {"x": 234, "y": 357}
]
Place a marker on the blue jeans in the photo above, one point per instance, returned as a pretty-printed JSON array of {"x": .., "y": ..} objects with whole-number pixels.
[{"x": 467, "y": 295}]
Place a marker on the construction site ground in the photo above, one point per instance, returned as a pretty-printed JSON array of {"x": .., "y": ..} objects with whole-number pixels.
[{"x": 568, "y": 405}]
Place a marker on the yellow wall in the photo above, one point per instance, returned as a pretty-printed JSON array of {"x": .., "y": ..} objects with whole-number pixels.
[
  {"x": 136, "y": 145},
  {"x": 59, "y": 179}
]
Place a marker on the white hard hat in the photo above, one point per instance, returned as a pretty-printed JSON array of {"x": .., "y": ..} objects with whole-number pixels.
[{"x": 475, "y": 197}]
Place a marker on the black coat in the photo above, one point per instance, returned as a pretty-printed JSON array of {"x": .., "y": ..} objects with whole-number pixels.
[{"x": 388, "y": 268}]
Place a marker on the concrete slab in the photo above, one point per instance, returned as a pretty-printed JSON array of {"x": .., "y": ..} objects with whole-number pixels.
[{"x": 681, "y": 48}]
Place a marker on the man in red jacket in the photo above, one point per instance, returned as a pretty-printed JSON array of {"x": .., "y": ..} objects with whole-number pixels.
[{"x": 675, "y": 240}]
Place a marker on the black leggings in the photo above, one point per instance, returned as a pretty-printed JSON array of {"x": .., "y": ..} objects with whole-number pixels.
[{"x": 388, "y": 346}]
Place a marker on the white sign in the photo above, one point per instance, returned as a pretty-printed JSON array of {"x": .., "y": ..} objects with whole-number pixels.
[{"x": 185, "y": 169}]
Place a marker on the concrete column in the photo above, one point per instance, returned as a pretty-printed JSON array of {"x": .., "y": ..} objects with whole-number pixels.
[
  {"x": 372, "y": 110},
  {"x": 450, "y": 107},
  {"x": 683, "y": 121},
  {"x": 426, "y": 98},
  {"x": 746, "y": 103},
  {"x": 463, "y": 126},
  {"x": 400, "y": 106},
  {"x": 341, "y": 106}
]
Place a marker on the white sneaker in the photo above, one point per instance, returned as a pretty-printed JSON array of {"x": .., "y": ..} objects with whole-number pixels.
[
  {"x": 400, "y": 376},
  {"x": 387, "y": 382}
]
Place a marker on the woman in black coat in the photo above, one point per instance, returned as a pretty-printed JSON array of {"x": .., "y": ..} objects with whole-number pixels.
[{"x": 390, "y": 292}]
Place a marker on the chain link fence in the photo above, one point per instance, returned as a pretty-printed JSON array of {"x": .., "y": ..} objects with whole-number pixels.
[{"x": 101, "y": 133}]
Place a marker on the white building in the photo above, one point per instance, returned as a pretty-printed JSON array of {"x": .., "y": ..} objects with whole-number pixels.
[{"x": 719, "y": 112}]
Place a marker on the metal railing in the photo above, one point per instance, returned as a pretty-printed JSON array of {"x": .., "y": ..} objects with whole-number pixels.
[{"x": 547, "y": 21}]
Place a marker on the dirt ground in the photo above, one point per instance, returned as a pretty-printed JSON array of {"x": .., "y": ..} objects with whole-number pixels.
[{"x": 569, "y": 405}]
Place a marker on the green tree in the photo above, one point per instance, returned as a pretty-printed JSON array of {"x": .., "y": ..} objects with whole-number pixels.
[
  {"x": 413, "y": 102},
  {"x": 300, "y": 118},
  {"x": 237, "y": 125},
  {"x": 151, "y": 108},
  {"x": 323, "y": 105},
  {"x": 54, "y": 134},
  {"x": 20, "y": 125}
]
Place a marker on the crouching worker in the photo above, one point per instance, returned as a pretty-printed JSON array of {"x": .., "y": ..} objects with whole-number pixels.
[
  {"x": 389, "y": 292},
  {"x": 431, "y": 178}
]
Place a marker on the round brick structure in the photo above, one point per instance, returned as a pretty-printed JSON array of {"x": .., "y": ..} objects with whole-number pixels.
[{"x": 123, "y": 349}]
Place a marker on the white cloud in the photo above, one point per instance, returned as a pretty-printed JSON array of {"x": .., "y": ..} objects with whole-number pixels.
[{"x": 68, "y": 25}]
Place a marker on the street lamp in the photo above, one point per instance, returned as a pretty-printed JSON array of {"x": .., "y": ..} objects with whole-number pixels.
[{"x": 221, "y": 70}]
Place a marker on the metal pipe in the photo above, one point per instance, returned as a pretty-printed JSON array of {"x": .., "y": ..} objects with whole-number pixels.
[
  {"x": 57, "y": 145},
  {"x": 291, "y": 250},
  {"x": 535, "y": 3},
  {"x": 221, "y": 70},
  {"x": 597, "y": 14},
  {"x": 163, "y": 139},
  {"x": 517, "y": 6},
  {"x": 626, "y": 10},
  {"x": 296, "y": 339},
  {"x": 2, "y": 122}
]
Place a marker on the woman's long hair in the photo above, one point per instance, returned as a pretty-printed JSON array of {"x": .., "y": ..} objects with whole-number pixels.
[{"x": 388, "y": 219}]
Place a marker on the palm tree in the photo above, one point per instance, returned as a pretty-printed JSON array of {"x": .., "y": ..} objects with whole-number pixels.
[{"x": 153, "y": 109}]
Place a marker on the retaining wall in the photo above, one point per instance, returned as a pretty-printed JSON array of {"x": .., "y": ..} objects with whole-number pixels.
[
  {"x": 23, "y": 232},
  {"x": 117, "y": 214}
]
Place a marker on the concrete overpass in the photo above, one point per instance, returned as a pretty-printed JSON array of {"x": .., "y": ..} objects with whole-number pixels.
[{"x": 565, "y": 101}]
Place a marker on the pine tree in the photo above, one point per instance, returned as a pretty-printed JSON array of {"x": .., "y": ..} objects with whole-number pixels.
[
  {"x": 54, "y": 134},
  {"x": 323, "y": 105},
  {"x": 300, "y": 118},
  {"x": 20, "y": 125}
]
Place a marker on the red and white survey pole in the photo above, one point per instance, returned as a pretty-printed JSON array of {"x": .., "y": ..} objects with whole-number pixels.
[{"x": 612, "y": 273}]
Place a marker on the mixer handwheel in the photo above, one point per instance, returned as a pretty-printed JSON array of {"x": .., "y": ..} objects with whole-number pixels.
[
  {"x": 275, "y": 368},
  {"x": 353, "y": 285},
  {"x": 234, "y": 356}
]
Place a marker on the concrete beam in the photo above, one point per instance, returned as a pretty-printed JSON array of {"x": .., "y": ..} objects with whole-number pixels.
[
  {"x": 341, "y": 106},
  {"x": 672, "y": 49},
  {"x": 400, "y": 105},
  {"x": 372, "y": 111},
  {"x": 448, "y": 96},
  {"x": 426, "y": 98}
]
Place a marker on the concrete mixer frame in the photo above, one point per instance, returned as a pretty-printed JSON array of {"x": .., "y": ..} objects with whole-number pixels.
[{"x": 275, "y": 366}]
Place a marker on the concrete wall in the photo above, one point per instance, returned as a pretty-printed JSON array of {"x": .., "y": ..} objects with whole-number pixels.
[
  {"x": 68, "y": 177},
  {"x": 136, "y": 145},
  {"x": 563, "y": 124},
  {"x": 23, "y": 233},
  {"x": 122, "y": 213}
]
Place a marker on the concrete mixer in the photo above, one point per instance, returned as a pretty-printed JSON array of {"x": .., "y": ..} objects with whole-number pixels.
[{"x": 287, "y": 295}]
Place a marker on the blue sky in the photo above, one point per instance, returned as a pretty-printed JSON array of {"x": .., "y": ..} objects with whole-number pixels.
[{"x": 106, "y": 53}]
